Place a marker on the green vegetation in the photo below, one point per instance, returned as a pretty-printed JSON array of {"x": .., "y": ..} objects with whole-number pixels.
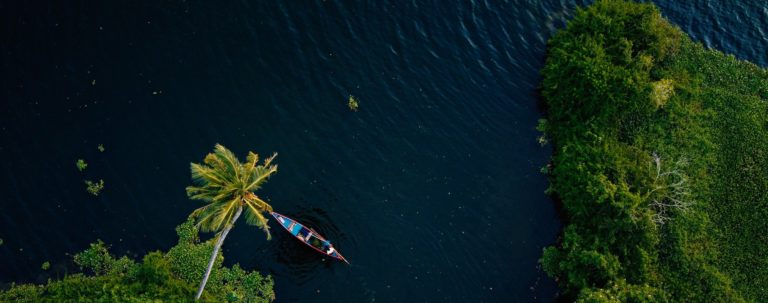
[
  {"x": 94, "y": 188},
  {"x": 81, "y": 165},
  {"x": 660, "y": 162},
  {"x": 100, "y": 147},
  {"x": 226, "y": 186},
  {"x": 542, "y": 127},
  {"x": 158, "y": 277},
  {"x": 353, "y": 104}
]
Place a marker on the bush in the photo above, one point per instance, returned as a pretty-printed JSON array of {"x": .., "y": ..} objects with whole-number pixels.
[
  {"x": 189, "y": 258},
  {"x": 171, "y": 277},
  {"x": 621, "y": 292}
]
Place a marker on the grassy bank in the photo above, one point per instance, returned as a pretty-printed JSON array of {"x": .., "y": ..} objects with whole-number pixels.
[
  {"x": 661, "y": 162},
  {"x": 159, "y": 277}
]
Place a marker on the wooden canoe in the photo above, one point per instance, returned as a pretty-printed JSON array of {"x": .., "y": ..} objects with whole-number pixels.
[{"x": 308, "y": 236}]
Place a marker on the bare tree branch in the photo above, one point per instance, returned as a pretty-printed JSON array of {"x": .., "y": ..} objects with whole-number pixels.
[{"x": 669, "y": 191}]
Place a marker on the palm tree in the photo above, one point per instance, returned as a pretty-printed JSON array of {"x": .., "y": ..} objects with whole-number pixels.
[{"x": 227, "y": 186}]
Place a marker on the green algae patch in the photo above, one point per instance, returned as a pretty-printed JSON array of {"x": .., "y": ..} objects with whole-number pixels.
[{"x": 353, "y": 103}]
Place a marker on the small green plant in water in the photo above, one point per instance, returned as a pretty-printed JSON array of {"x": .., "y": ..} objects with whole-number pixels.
[
  {"x": 542, "y": 140},
  {"x": 46, "y": 265},
  {"x": 542, "y": 127},
  {"x": 101, "y": 147},
  {"x": 1, "y": 242},
  {"x": 94, "y": 188},
  {"x": 353, "y": 104},
  {"x": 81, "y": 165}
]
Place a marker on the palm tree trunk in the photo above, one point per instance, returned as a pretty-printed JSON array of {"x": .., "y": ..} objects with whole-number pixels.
[{"x": 216, "y": 253}]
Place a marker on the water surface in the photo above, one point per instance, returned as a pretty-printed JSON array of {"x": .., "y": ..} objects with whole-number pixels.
[{"x": 432, "y": 190}]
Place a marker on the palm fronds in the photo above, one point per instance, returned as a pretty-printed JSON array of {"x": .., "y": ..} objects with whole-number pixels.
[{"x": 225, "y": 184}]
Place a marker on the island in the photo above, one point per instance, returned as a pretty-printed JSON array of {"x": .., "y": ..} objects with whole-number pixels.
[{"x": 660, "y": 162}]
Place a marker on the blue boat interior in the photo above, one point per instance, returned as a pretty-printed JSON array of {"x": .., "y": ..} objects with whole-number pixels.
[
  {"x": 299, "y": 230},
  {"x": 284, "y": 221},
  {"x": 302, "y": 232}
]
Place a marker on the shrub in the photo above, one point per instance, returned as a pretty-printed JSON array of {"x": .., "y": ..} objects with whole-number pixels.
[{"x": 159, "y": 277}]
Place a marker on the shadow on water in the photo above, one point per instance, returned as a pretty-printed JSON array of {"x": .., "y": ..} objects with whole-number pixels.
[{"x": 296, "y": 260}]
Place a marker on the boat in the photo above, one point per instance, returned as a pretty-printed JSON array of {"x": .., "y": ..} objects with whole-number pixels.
[{"x": 308, "y": 236}]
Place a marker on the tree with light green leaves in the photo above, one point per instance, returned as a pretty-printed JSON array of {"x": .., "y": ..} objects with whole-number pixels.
[{"x": 227, "y": 187}]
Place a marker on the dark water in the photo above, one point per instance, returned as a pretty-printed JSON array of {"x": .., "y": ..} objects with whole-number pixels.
[{"x": 431, "y": 190}]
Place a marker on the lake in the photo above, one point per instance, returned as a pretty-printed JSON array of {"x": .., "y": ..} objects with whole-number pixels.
[{"x": 431, "y": 190}]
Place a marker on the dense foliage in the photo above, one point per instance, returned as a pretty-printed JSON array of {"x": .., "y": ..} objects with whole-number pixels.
[
  {"x": 661, "y": 162},
  {"x": 159, "y": 277}
]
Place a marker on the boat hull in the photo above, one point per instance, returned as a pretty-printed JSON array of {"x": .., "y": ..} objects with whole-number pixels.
[{"x": 308, "y": 236}]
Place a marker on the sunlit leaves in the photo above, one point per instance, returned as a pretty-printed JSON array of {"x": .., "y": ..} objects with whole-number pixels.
[{"x": 226, "y": 184}]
